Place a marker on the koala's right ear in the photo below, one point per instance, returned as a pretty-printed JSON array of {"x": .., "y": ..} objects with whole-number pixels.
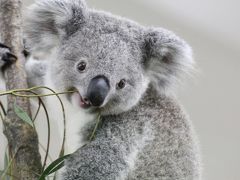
[
  {"x": 168, "y": 59},
  {"x": 48, "y": 21}
]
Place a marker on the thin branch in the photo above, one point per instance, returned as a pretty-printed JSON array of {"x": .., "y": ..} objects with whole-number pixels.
[
  {"x": 64, "y": 118},
  {"x": 48, "y": 128},
  {"x": 3, "y": 109},
  {"x": 22, "y": 138},
  {"x": 95, "y": 128},
  {"x": 31, "y": 90}
]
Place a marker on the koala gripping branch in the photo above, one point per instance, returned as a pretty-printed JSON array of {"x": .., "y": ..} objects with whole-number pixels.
[{"x": 22, "y": 138}]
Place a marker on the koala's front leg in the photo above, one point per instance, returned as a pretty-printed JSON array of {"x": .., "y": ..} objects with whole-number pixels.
[
  {"x": 35, "y": 69},
  {"x": 99, "y": 160},
  {"x": 109, "y": 157},
  {"x": 6, "y": 57}
]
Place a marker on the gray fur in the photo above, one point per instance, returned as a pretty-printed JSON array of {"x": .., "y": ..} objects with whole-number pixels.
[
  {"x": 60, "y": 19},
  {"x": 144, "y": 133},
  {"x": 36, "y": 70},
  {"x": 157, "y": 129}
]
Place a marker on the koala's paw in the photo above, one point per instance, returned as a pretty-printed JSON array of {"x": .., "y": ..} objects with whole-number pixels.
[{"x": 6, "y": 57}]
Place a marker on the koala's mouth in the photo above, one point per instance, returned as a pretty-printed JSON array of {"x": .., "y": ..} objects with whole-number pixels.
[{"x": 77, "y": 100}]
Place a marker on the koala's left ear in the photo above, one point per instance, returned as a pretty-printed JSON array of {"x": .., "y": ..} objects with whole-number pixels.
[
  {"x": 49, "y": 21},
  {"x": 167, "y": 58}
]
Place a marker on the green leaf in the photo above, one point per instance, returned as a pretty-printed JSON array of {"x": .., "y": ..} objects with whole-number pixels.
[
  {"x": 59, "y": 166},
  {"x": 22, "y": 115},
  {"x": 53, "y": 167}
]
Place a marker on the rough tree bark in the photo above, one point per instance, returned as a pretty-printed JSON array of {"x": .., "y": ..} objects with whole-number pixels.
[{"x": 22, "y": 138}]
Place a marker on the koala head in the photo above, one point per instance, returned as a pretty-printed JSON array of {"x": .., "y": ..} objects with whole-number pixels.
[{"x": 110, "y": 61}]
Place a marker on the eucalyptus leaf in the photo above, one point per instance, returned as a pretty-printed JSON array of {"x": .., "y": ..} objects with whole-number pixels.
[
  {"x": 53, "y": 167},
  {"x": 22, "y": 115}
]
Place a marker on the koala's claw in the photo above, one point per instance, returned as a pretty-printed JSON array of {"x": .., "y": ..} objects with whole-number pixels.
[
  {"x": 4, "y": 46},
  {"x": 6, "y": 57},
  {"x": 9, "y": 57}
]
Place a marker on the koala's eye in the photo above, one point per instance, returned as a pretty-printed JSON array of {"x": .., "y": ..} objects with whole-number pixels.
[
  {"x": 81, "y": 66},
  {"x": 121, "y": 84}
]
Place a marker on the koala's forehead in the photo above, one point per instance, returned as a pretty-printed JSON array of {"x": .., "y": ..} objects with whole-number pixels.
[
  {"x": 103, "y": 34},
  {"x": 102, "y": 49}
]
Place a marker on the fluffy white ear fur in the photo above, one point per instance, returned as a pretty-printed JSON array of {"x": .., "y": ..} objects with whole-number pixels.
[
  {"x": 49, "y": 21},
  {"x": 168, "y": 59}
]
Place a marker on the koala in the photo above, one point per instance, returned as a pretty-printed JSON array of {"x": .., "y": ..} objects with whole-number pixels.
[{"x": 123, "y": 71}]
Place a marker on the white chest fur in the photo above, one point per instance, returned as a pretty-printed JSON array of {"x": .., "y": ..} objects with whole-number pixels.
[{"x": 76, "y": 119}]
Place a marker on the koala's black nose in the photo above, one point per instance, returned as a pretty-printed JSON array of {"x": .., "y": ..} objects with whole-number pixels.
[{"x": 98, "y": 90}]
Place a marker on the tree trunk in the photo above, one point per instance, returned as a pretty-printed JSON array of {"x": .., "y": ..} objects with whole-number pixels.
[{"x": 22, "y": 138}]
